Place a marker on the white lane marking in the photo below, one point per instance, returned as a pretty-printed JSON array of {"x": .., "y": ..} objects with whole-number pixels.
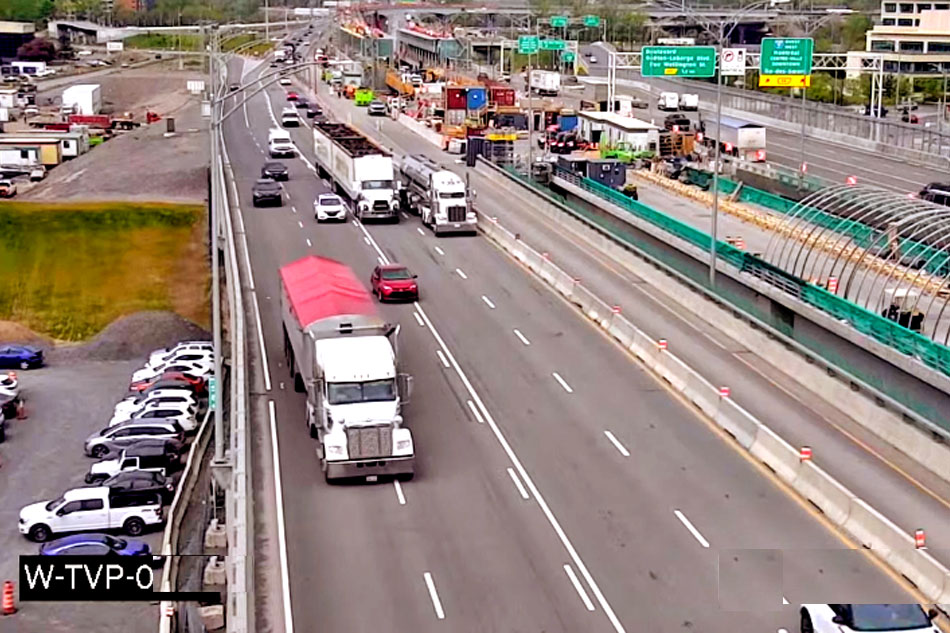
[
  {"x": 488, "y": 302},
  {"x": 405, "y": 216},
  {"x": 246, "y": 122},
  {"x": 421, "y": 232},
  {"x": 616, "y": 442},
  {"x": 519, "y": 467},
  {"x": 281, "y": 529},
  {"x": 418, "y": 319},
  {"x": 401, "y": 497},
  {"x": 784, "y": 600},
  {"x": 578, "y": 587},
  {"x": 782, "y": 631},
  {"x": 523, "y": 338},
  {"x": 294, "y": 209},
  {"x": 518, "y": 484},
  {"x": 445, "y": 363},
  {"x": 355, "y": 223},
  {"x": 439, "y": 251},
  {"x": 434, "y": 595},
  {"x": 478, "y": 416},
  {"x": 692, "y": 529},
  {"x": 260, "y": 342},
  {"x": 380, "y": 260},
  {"x": 299, "y": 223},
  {"x": 564, "y": 384},
  {"x": 366, "y": 239},
  {"x": 309, "y": 243},
  {"x": 240, "y": 215},
  {"x": 461, "y": 273}
]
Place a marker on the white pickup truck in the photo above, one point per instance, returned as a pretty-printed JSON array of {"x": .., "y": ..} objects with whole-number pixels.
[{"x": 86, "y": 509}]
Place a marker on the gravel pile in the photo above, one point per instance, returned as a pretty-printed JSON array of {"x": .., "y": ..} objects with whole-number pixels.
[{"x": 132, "y": 337}]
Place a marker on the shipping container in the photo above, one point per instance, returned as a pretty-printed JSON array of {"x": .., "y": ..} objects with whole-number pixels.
[
  {"x": 455, "y": 99},
  {"x": 455, "y": 117},
  {"x": 476, "y": 98}
]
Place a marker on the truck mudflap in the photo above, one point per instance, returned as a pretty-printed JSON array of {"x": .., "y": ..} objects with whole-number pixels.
[
  {"x": 449, "y": 228},
  {"x": 371, "y": 467}
]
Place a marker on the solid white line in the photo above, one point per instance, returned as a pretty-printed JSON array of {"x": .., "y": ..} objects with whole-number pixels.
[
  {"x": 405, "y": 216},
  {"x": 418, "y": 319},
  {"x": 523, "y": 338},
  {"x": 401, "y": 497},
  {"x": 439, "y": 251},
  {"x": 421, "y": 232},
  {"x": 578, "y": 587},
  {"x": 380, "y": 260},
  {"x": 436, "y": 603},
  {"x": 478, "y": 416},
  {"x": 309, "y": 243},
  {"x": 691, "y": 528},
  {"x": 281, "y": 529},
  {"x": 461, "y": 273},
  {"x": 488, "y": 302},
  {"x": 260, "y": 341},
  {"x": 445, "y": 363},
  {"x": 566, "y": 386},
  {"x": 355, "y": 223},
  {"x": 518, "y": 484},
  {"x": 519, "y": 467},
  {"x": 246, "y": 122},
  {"x": 616, "y": 442},
  {"x": 366, "y": 239}
]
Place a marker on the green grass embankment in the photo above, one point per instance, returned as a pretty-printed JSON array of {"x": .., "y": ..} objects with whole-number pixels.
[
  {"x": 166, "y": 41},
  {"x": 70, "y": 269}
]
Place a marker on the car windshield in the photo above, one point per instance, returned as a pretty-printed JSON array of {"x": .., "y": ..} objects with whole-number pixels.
[
  {"x": 275, "y": 166},
  {"x": 399, "y": 273},
  {"x": 377, "y": 184},
  {"x": 351, "y": 392},
  {"x": 266, "y": 184},
  {"x": 55, "y": 502},
  {"x": 330, "y": 200},
  {"x": 452, "y": 194},
  {"x": 888, "y": 617},
  {"x": 116, "y": 543}
]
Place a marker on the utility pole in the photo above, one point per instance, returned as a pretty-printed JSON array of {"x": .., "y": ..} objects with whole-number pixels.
[
  {"x": 267, "y": 20},
  {"x": 714, "y": 228},
  {"x": 219, "y": 448}
]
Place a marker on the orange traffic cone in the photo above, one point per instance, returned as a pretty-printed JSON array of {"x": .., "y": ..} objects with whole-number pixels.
[{"x": 8, "y": 607}]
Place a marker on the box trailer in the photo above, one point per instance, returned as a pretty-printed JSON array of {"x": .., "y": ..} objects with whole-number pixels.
[{"x": 83, "y": 98}]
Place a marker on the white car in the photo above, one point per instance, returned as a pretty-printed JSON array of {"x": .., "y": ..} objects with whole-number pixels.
[
  {"x": 329, "y": 206},
  {"x": 125, "y": 413},
  {"x": 183, "y": 356},
  {"x": 593, "y": 59},
  {"x": 284, "y": 81},
  {"x": 182, "y": 417},
  {"x": 167, "y": 353},
  {"x": 882, "y": 618},
  {"x": 199, "y": 369}
]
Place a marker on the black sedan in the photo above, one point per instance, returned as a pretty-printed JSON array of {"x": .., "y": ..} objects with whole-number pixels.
[
  {"x": 20, "y": 356},
  {"x": 141, "y": 481},
  {"x": 302, "y": 103},
  {"x": 313, "y": 110},
  {"x": 274, "y": 170},
  {"x": 267, "y": 192}
]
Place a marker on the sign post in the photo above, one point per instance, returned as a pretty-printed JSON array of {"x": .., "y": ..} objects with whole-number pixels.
[
  {"x": 559, "y": 21},
  {"x": 678, "y": 61},
  {"x": 212, "y": 393},
  {"x": 732, "y": 62}
]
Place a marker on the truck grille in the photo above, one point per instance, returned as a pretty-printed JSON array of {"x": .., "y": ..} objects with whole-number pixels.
[
  {"x": 380, "y": 205},
  {"x": 370, "y": 442},
  {"x": 457, "y": 214}
]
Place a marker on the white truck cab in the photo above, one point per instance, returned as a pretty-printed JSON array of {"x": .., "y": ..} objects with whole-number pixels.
[{"x": 86, "y": 509}]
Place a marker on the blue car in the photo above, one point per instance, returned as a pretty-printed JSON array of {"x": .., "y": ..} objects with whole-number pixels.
[
  {"x": 20, "y": 356},
  {"x": 94, "y": 545}
]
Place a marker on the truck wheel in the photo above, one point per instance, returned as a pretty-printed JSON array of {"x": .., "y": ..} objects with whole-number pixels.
[
  {"x": 39, "y": 533},
  {"x": 134, "y": 526},
  {"x": 405, "y": 476},
  {"x": 3, "y": 433},
  {"x": 313, "y": 431},
  {"x": 298, "y": 383}
]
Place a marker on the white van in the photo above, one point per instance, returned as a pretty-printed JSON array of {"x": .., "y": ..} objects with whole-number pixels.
[
  {"x": 669, "y": 101},
  {"x": 279, "y": 143},
  {"x": 689, "y": 101}
]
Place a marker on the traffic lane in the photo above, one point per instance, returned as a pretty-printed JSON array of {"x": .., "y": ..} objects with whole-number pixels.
[
  {"x": 41, "y": 458},
  {"x": 476, "y": 526}
]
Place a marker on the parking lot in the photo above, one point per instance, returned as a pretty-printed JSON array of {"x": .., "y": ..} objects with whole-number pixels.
[{"x": 42, "y": 457}]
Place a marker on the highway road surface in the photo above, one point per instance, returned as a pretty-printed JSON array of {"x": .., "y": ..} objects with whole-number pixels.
[
  {"x": 830, "y": 161},
  {"x": 559, "y": 488}
]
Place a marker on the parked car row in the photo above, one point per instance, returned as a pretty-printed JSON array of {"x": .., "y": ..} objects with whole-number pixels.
[{"x": 140, "y": 451}]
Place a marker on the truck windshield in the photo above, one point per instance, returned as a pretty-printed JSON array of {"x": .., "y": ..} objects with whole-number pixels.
[
  {"x": 352, "y": 392},
  {"x": 377, "y": 184},
  {"x": 452, "y": 194}
]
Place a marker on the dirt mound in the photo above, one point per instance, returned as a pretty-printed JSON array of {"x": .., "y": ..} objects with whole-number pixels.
[
  {"x": 134, "y": 336},
  {"x": 12, "y": 332}
]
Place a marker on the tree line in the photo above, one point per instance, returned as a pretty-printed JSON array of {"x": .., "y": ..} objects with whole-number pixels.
[{"x": 159, "y": 13}]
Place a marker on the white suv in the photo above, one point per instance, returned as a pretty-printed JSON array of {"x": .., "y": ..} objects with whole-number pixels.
[{"x": 329, "y": 206}]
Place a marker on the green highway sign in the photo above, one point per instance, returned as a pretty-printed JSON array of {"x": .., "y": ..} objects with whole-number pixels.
[
  {"x": 552, "y": 45},
  {"x": 212, "y": 392},
  {"x": 559, "y": 21},
  {"x": 678, "y": 61},
  {"x": 528, "y": 44},
  {"x": 591, "y": 20},
  {"x": 568, "y": 57},
  {"x": 786, "y": 56}
]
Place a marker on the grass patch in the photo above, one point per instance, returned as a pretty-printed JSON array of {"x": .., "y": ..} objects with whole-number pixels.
[
  {"x": 166, "y": 41},
  {"x": 259, "y": 49},
  {"x": 70, "y": 269}
]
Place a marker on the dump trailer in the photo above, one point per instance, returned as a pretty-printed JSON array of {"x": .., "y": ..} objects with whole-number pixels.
[
  {"x": 436, "y": 195},
  {"x": 343, "y": 355},
  {"x": 361, "y": 170}
]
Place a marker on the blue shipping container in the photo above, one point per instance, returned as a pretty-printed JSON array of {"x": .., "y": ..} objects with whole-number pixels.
[
  {"x": 567, "y": 123},
  {"x": 477, "y": 98}
]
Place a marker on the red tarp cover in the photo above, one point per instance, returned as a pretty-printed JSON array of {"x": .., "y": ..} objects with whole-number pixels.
[{"x": 319, "y": 287}]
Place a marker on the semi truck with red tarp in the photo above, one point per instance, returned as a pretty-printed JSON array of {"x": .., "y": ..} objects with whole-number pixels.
[{"x": 343, "y": 355}]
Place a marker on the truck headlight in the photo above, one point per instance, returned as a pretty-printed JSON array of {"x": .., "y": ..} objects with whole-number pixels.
[
  {"x": 403, "y": 445},
  {"x": 336, "y": 450}
]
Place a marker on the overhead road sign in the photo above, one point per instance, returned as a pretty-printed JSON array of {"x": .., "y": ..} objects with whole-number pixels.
[
  {"x": 559, "y": 21},
  {"x": 678, "y": 61},
  {"x": 784, "y": 81},
  {"x": 552, "y": 45},
  {"x": 568, "y": 57},
  {"x": 786, "y": 56},
  {"x": 732, "y": 62},
  {"x": 528, "y": 44},
  {"x": 591, "y": 20}
]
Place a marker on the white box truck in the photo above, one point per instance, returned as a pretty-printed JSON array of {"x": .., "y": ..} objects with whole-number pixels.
[
  {"x": 344, "y": 356},
  {"x": 83, "y": 99},
  {"x": 361, "y": 170},
  {"x": 438, "y": 196},
  {"x": 668, "y": 101},
  {"x": 545, "y": 82},
  {"x": 742, "y": 139},
  {"x": 689, "y": 101}
]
